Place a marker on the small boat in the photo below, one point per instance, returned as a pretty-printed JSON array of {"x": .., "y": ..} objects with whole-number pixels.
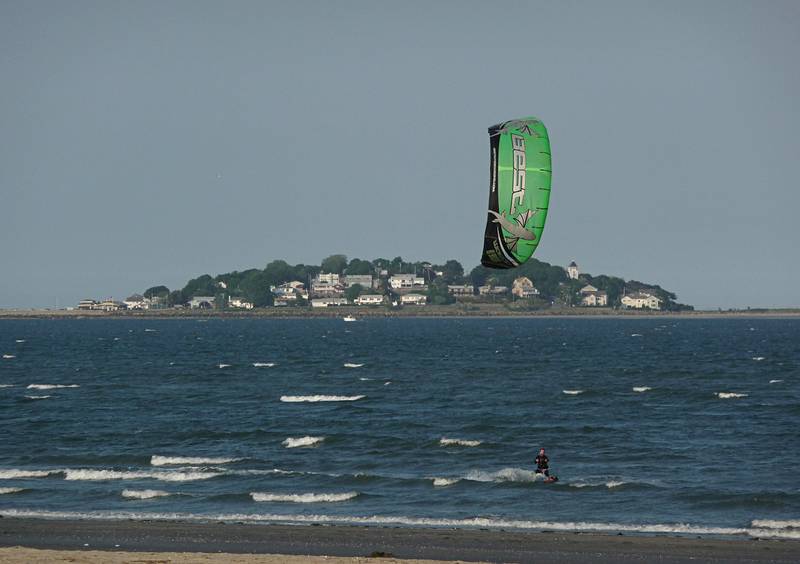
[{"x": 349, "y": 318}]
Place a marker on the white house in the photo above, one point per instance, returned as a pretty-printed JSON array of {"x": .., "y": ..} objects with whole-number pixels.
[
  {"x": 523, "y": 288},
  {"x": 137, "y": 301},
  {"x": 328, "y": 302},
  {"x": 87, "y": 304},
  {"x": 406, "y": 281},
  {"x": 413, "y": 299},
  {"x": 369, "y": 299},
  {"x": 641, "y": 300},
  {"x": 202, "y": 302},
  {"x": 239, "y": 303},
  {"x": 461, "y": 289},
  {"x": 572, "y": 271},
  {"x": 327, "y": 285},
  {"x": 592, "y": 297}
]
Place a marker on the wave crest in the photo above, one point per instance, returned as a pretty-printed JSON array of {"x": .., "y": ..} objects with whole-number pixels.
[
  {"x": 157, "y": 460},
  {"x": 295, "y": 442},
  {"x": 444, "y": 441},
  {"x": 304, "y": 497},
  {"x": 144, "y": 494},
  {"x": 319, "y": 398}
]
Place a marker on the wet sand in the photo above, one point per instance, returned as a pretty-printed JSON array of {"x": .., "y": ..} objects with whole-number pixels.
[{"x": 128, "y": 541}]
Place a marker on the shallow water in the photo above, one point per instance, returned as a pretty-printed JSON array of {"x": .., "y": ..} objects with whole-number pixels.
[{"x": 654, "y": 425}]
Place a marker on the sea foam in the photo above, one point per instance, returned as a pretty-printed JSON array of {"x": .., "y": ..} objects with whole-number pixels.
[
  {"x": 263, "y": 364},
  {"x": 775, "y": 381},
  {"x": 51, "y": 386},
  {"x": 307, "y": 441},
  {"x": 304, "y": 497},
  {"x": 37, "y": 397},
  {"x": 572, "y": 392},
  {"x": 444, "y": 441},
  {"x": 143, "y": 494},
  {"x": 442, "y": 482},
  {"x": 298, "y": 399},
  {"x": 730, "y": 395},
  {"x": 157, "y": 460},
  {"x": 8, "y": 356},
  {"x": 352, "y": 365},
  {"x": 504, "y": 475},
  {"x": 384, "y": 520},
  {"x": 642, "y": 388}
]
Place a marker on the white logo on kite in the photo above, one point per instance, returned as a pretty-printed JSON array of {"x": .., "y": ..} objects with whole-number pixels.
[{"x": 516, "y": 227}]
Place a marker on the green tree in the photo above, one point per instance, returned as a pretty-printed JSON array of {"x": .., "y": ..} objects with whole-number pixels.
[
  {"x": 452, "y": 272},
  {"x": 176, "y": 298},
  {"x": 353, "y": 292},
  {"x": 438, "y": 294},
  {"x": 201, "y": 286},
  {"x": 358, "y": 266},
  {"x": 156, "y": 292},
  {"x": 278, "y": 272},
  {"x": 256, "y": 289},
  {"x": 335, "y": 264}
]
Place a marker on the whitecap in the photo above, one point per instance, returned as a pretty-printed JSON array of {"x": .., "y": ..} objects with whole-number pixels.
[
  {"x": 6, "y": 385},
  {"x": 758, "y": 358},
  {"x": 444, "y": 441},
  {"x": 365, "y": 379},
  {"x": 572, "y": 392},
  {"x": 37, "y": 397},
  {"x": 143, "y": 494},
  {"x": 263, "y": 364},
  {"x": 8, "y": 356},
  {"x": 171, "y": 476},
  {"x": 151, "y": 330},
  {"x": 609, "y": 484},
  {"x": 157, "y": 460},
  {"x": 307, "y": 441},
  {"x": 730, "y": 395},
  {"x": 304, "y": 497},
  {"x": 775, "y": 381},
  {"x": 20, "y": 340},
  {"x": 319, "y": 398},
  {"x": 352, "y": 365},
  {"x": 224, "y": 365},
  {"x": 387, "y": 383},
  {"x": 51, "y": 386},
  {"x": 636, "y": 334},
  {"x": 775, "y": 524},
  {"x": 642, "y": 388},
  {"x": 443, "y": 482},
  {"x": 12, "y": 474},
  {"x": 10, "y": 490}
]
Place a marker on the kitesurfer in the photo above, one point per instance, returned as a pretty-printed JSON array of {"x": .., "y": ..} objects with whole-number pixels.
[{"x": 542, "y": 463}]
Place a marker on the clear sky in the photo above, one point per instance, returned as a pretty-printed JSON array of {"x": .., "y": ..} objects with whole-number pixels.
[{"x": 149, "y": 142}]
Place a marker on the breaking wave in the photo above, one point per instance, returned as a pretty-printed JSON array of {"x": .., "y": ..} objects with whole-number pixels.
[
  {"x": 730, "y": 395},
  {"x": 263, "y": 364},
  {"x": 352, "y": 365},
  {"x": 444, "y": 441},
  {"x": 37, "y": 397},
  {"x": 157, "y": 460},
  {"x": 298, "y": 399},
  {"x": 10, "y": 490},
  {"x": 143, "y": 494},
  {"x": 294, "y": 442},
  {"x": 758, "y": 358},
  {"x": 304, "y": 497},
  {"x": 441, "y": 482},
  {"x": 12, "y": 474},
  {"x": 572, "y": 392},
  {"x": 170, "y": 476},
  {"x": 775, "y": 381},
  {"x": 224, "y": 365},
  {"x": 8, "y": 356},
  {"x": 51, "y": 386}
]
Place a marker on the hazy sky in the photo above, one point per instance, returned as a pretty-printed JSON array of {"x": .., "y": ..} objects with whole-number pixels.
[{"x": 146, "y": 142}]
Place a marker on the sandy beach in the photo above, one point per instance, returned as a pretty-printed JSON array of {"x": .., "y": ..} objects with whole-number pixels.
[{"x": 39, "y": 540}]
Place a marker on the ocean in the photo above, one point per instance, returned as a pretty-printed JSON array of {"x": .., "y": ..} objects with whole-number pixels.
[{"x": 653, "y": 425}]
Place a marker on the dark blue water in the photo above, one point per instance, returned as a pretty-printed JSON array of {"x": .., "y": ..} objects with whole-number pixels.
[{"x": 709, "y": 443}]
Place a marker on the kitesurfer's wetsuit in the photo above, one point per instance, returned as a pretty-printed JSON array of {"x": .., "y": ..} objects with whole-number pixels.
[{"x": 542, "y": 464}]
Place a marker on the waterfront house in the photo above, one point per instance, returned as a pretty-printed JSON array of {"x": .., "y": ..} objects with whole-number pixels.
[
  {"x": 87, "y": 304},
  {"x": 111, "y": 305},
  {"x": 328, "y": 302},
  {"x": 239, "y": 303},
  {"x": 413, "y": 299},
  {"x": 365, "y": 280},
  {"x": 137, "y": 301},
  {"x": 523, "y": 288},
  {"x": 406, "y": 282},
  {"x": 327, "y": 285},
  {"x": 592, "y": 297},
  {"x": 461, "y": 289},
  {"x": 490, "y": 290},
  {"x": 369, "y": 299},
  {"x": 641, "y": 300}
]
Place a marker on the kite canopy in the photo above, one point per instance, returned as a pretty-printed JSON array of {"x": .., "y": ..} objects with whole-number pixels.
[{"x": 519, "y": 191}]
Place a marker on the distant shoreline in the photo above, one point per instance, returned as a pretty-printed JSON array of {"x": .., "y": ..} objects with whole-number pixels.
[{"x": 427, "y": 311}]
